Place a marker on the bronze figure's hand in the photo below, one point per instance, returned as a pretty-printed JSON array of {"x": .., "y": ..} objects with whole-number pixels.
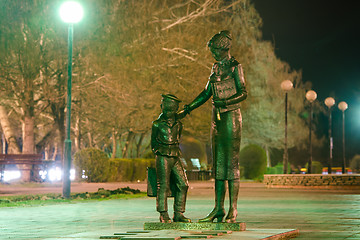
[
  {"x": 181, "y": 114},
  {"x": 219, "y": 103},
  {"x": 187, "y": 109}
]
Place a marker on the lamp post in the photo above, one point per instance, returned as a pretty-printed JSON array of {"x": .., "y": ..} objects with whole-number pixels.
[
  {"x": 343, "y": 106},
  {"x": 70, "y": 12},
  {"x": 311, "y": 97},
  {"x": 286, "y": 86},
  {"x": 329, "y": 102}
]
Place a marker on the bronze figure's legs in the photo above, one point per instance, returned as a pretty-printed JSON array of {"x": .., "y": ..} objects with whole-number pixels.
[
  {"x": 164, "y": 217},
  {"x": 163, "y": 183},
  {"x": 218, "y": 212},
  {"x": 179, "y": 217},
  {"x": 166, "y": 166},
  {"x": 182, "y": 186},
  {"x": 234, "y": 186}
]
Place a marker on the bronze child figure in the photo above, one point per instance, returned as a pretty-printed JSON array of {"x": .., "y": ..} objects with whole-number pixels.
[
  {"x": 165, "y": 136},
  {"x": 227, "y": 87}
]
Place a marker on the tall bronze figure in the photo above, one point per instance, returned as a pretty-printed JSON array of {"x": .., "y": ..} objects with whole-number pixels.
[
  {"x": 227, "y": 86},
  {"x": 165, "y": 136}
]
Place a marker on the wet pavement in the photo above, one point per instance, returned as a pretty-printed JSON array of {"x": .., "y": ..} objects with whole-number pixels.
[{"x": 318, "y": 214}]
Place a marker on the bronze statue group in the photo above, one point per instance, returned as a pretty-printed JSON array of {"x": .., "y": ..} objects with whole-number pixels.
[{"x": 226, "y": 85}]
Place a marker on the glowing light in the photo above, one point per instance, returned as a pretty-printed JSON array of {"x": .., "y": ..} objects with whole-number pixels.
[
  {"x": 342, "y": 106},
  {"x": 72, "y": 174},
  {"x": 286, "y": 85},
  {"x": 83, "y": 175},
  {"x": 71, "y": 12},
  {"x": 55, "y": 174},
  {"x": 329, "y": 102},
  {"x": 311, "y": 96},
  {"x": 43, "y": 174},
  {"x": 196, "y": 163},
  {"x": 11, "y": 175}
]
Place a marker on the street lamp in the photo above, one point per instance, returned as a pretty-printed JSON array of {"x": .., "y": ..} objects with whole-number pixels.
[
  {"x": 343, "y": 106},
  {"x": 311, "y": 97},
  {"x": 286, "y": 86},
  {"x": 329, "y": 102},
  {"x": 70, "y": 12}
]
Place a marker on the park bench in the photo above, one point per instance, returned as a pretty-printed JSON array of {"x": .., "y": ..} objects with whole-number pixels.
[{"x": 25, "y": 162}]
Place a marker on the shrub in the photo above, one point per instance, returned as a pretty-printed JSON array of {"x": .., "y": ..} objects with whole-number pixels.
[
  {"x": 316, "y": 167},
  {"x": 355, "y": 164},
  {"x": 125, "y": 170},
  {"x": 253, "y": 159},
  {"x": 149, "y": 155},
  {"x": 242, "y": 172},
  {"x": 95, "y": 163},
  {"x": 99, "y": 168},
  {"x": 277, "y": 169}
]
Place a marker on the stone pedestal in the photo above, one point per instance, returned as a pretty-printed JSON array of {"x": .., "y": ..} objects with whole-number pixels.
[
  {"x": 321, "y": 181},
  {"x": 172, "y": 234}
]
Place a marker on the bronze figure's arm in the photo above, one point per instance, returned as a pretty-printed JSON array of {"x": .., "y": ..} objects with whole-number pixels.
[
  {"x": 200, "y": 99},
  {"x": 154, "y": 142}
]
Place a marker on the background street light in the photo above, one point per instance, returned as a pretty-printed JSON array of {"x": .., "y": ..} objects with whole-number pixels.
[
  {"x": 70, "y": 12},
  {"x": 343, "y": 106},
  {"x": 329, "y": 102},
  {"x": 286, "y": 86},
  {"x": 311, "y": 97}
]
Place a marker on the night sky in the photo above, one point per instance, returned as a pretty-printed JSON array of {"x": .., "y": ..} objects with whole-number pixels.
[{"x": 320, "y": 37}]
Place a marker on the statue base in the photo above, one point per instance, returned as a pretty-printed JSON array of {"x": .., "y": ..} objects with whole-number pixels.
[
  {"x": 172, "y": 234},
  {"x": 238, "y": 226}
]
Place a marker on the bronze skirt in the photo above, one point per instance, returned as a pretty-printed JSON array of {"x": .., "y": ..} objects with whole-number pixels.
[{"x": 225, "y": 144}]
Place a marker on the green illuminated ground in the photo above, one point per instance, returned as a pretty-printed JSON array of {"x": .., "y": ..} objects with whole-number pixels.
[{"x": 317, "y": 214}]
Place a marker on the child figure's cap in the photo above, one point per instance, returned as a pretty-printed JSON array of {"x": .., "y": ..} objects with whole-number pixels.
[{"x": 172, "y": 97}]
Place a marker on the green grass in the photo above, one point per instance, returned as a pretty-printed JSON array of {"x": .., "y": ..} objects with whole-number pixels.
[
  {"x": 32, "y": 203},
  {"x": 52, "y": 198}
]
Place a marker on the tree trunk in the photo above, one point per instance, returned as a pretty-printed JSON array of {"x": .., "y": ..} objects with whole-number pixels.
[
  {"x": 90, "y": 139},
  {"x": 28, "y": 135},
  {"x": 3, "y": 141},
  {"x": 268, "y": 161},
  {"x": 114, "y": 144},
  {"x": 55, "y": 152},
  {"x": 60, "y": 121},
  {"x": 13, "y": 146},
  {"x": 120, "y": 144},
  {"x": 28, "y": 146},
  {"x": 46, "y": 152},
  {"x": 127, "y": 144},
  {"x": 77, "y": 134},
  {"x": 139, "y": 143}
]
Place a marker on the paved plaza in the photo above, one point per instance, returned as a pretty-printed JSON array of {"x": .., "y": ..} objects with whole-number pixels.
[{"x": 318, "y": 214}]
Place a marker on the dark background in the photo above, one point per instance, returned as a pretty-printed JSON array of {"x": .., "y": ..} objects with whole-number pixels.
[{"x": 322, "y": 39}]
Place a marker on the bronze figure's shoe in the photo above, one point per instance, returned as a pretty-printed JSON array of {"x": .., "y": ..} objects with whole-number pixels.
[
  {"x": 218, "y": 214},
  {"x": 164, "y": 217},
  {"x": 231, "y": 217},
  {"x": 179, "y": 217}
]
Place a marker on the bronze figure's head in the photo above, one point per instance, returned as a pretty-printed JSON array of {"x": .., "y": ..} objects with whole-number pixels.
[
  {"x": 220, "y": 44},
  {"x": 169, "y": 105}
]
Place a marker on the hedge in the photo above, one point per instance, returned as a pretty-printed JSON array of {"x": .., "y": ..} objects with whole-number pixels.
[
  {"x": 355, "y": 164},
  {"x": 125, "y": 170},
  {"x": 94, "y": 163},
  {"x": 316, "y": 167},
  {"x": 99, "y": 168}
]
